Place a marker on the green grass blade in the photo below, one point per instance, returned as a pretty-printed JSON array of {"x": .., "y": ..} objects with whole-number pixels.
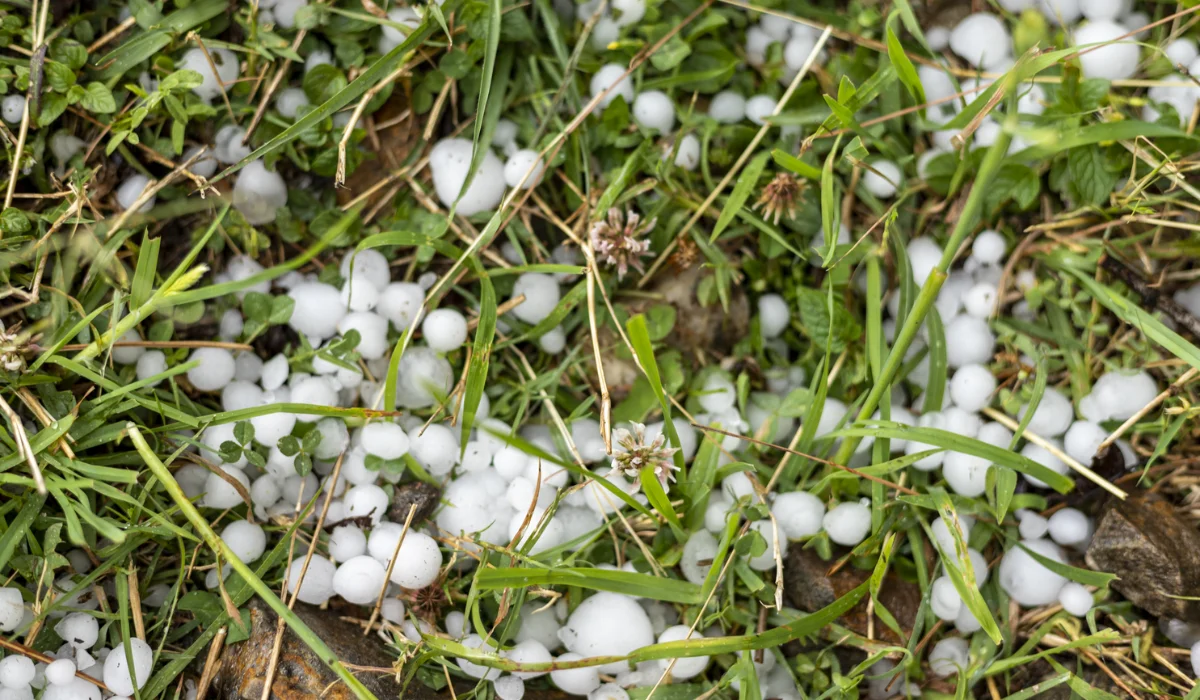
[
  {"x": 746, "y": 183},
  {"x": 641, "y": 585}
]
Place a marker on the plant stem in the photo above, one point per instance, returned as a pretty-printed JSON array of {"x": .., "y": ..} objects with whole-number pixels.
[{"x": 933, "y": 284}]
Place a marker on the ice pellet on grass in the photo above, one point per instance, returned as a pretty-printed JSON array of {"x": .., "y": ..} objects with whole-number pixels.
[
  {"x": 509, "y": 688},
  {"x": 971, "y": 387},
  {"x": 949, "y": 656},
  {"x": 247, "y": 540},
  {"x": 1032, "y": 525},
  {"x": 848, "y": 523},
  {"x": 608, "y": 76},
  {"x": 882, "y": 178},
  {"x": 607, "y": 624},
  {"x": 1053, "y": 416},
  {"x": 219, "y": 493},
  {"x": 759, "y": 108},
  {"x": 290, "y": 101},
  {"x": 12, "y": 108},
  {"x": 1065, "y": 12},
  {"x": 576, "y": 681},
  {"x": 1182, "y": 52},
  {"x": 417, "y": 563},
  {"x": 366, "y": 500},
  {"x": 773, "y": 315},
  {"x": 654, "y": 109},
  {"x": 318, "y": 309},
  {"x": 399, "y": 303},
  {"x": 777, "y": 545},
  {"x": 131, "y": 189},
  {"x": 717, "y": 394},
  {"x": 923, "y": 255},
  {"x": 529, "y": 651},
  {"x": 973, "y": 343},
  {"x": 700, "y": 547},
  {"x": 727, "y": 107},
  {"x": 798, "y": 513},
  {"x": 541, "y": 296},
  {"x": 945, "y": 539},
  {"x": 119, "y": 676},
  {"x": 1075, "y": 599},
  {"x": 445, "y": 329},
  {"x": 1069, "y": 527},
  {"x": 16, "y": 672},
  {"x": 60, "y": 672},
  {"x": 1118, "y": 395},
  {"x": 1104, "y": 9},
  {"x": 1112, "y": 60},
  {"x": 449, "y": 163},
  {"x": 524, "y": 169},
  {"x": 982, "y": 40},
  {"x": 359, "y": 580},
  {"x": 1025, "y": 579},
  {"x": 1044, "y": 457},
  {"x": 210, "y": 86},
  {"x": 80, "y": 630},
  {"x": 944, "y": 599},
  {"x": 1082, "y": 440},
  {"x": 683, "y": 668},
  {"x": 988, "y": 248},
  {"x": 687, "y": 155},
  {"x": 980, "y": 300},
  {"x": 317, "y": 585}
]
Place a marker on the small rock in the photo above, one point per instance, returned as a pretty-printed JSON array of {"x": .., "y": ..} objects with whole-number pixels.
[
  {"x": 1154, "y": 552},
  {"x": 808, "y": 588},
  {"x": 424, "y": 496}
]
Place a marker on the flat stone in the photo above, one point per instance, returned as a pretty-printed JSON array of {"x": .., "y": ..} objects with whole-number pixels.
[
  {"x": 1154, "y": 552},
  {"x": 808, "y": 587}
]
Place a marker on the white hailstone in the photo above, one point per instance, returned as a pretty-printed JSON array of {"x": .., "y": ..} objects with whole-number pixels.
[
  {"x": 16, "y": 672},
  {"x": 227, "y": 144},
  {"x": 540, "y": 624},
  {"x": 314, "y": 391},
  {"x": 367, "y": 265},
  {"x": 944, "y": 599},
  {"x": 245, "y": 539},
  {"x": 718, "y": 393},
  {"x": 118, "y": 676},
  {"x": 727, "y": 107},
  {"x": 366, "y": 500},
  {"x": 285, "y": 12},
  {"x": 247, "y": 367},
  {"x": 759, "y": 108},
  {"x": 445, "y": 329},
  {"x": 347, "y": 542},
  {"x": 215, "y": 370},
  {"x": 1045, "y": 458},
  {"x": 966, "y": 474},
  {"x": 64, "y": 146},
  {"x": 1118, "y": 396},
  {"x": 701, "y": 546},
  {"x": 939, "y": 37},
  {"x": 798, "y": 513},
  {"x": 505, "y": 134},
  {"x": 576, "y": 681},
  {"x": 238, "y": 395},
  {"x": 541, "y": 296},
  {"x": 399, "y": 303},
  {"x": 949, "y": 656},
  {"x": 980, "y": 300},
  {"x": 392, "y": 610},
  {"x": 1026, "y": 580},
  {"x": 605, "y": 32},
  {"x": 848, "y": 523},
  {"x": 974, "y": 341},
  {"x": 778, "y": 28},
  {"x": 317, "y": 585},
  {"x": 128, "y": 355},
  {"x": 1181, "y": 98},
  {"x": 450, "y": 161},
  {"x": 12, "y": 609},
  {"x": 372, "y": 332},
  {"x": 1075, "y": 599},
  {"x": 132, "y": 188},
  {"x": 524, "y": 169},
  {"x": 12, "y": 108},
  {"x": 1195, "y": 659},
  {"x": 797, "y": 50},
  {"x": 608, "y": 76},
  {"x": 1032, "y": 525},
  {"x": 936, "y": 83},
  {"x": 773, "y": 315},
  {"x": 358, "y": 294},
  {"x": 529, "y": 651},
  {"x": 687, "y": 155},
  {"x": 757, "y": 43},
  {"x": 435, "y": 447},
  {"x": 60, "y": 672},
  {"x": 318, "y": 309},
  {"x": 607, "y": 624},
  {"x": 231, "y": 325},
  {"x": 385, "y": 440},
  {"x": 290, "y": 101},
  {"x": 509, "y": 687},
  {"x": 944, "y": 539},
  {"x": 923, "y": 255},
  {"x": 258, "y": 193},
  {"x": 994, "y": 434},
  {"x": 1082, "y": 440},
  {"x": 425, "y": 378},
  {"x": 1069, "y": 527},
  {"x": 682, "y": 668},
  {"x": 226, "y": 63},
  {"x": 982, "y": 40},
  {"x": 1053, "y": 415},
  {"x": 1180, "y": 52},
  {"x": 1113, "y": 60},
  {"x": 775, "y": 545},
  {"x": 608, "y": 691},
  {"x": 653, "y": 109},
  {"x": 553, "y": 341},
  {"x": 417, "y": 563},
  {"x": 265, "y": 492},
  {"x": 1065, "y": 12},
  {"x": 79, "y": 630},
  {"x": 971, "y": 387},
  {"x": 298, "y": 489},
  {"x": 882, "y": 178},
  {"x": 359, "y": 580}
]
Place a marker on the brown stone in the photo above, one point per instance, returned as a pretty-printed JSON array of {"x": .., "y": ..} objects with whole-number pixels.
[
  {"x": 300, "y": 675},
  {"x": 809, "y": 587},
  {"x": 417, "y": 493},
  {"x": 1154, "y": 552}
]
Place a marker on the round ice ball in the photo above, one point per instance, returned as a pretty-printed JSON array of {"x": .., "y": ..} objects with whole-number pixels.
[
  {"x": 848, "y": 523},
  {"x": 450, "y": 162},
  {"x": 982, "y": 40},
  {"x": 119, "y": 676},
  {"x": 524, "y": 168},
  {"x": 608, "y": 76},
  {"x": 653, "y": 109},
  {"x": 1025, "y": 579},
  {"x": 1112, "y": 60},
  {"x": 211, "y": 85},
  {"x": 607, "y": 624}
]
